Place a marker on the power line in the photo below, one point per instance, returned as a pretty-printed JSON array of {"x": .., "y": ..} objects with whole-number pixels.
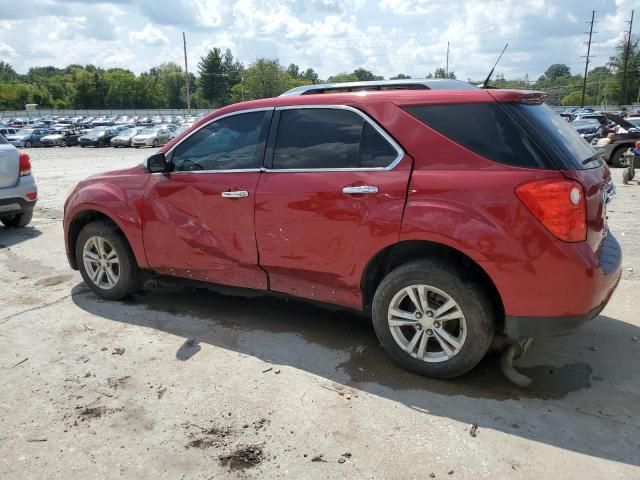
[{"x": 586, "y": 63}]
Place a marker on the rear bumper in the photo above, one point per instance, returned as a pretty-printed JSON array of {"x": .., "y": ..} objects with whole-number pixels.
[
  {"x": 14, "y": 199},
  {"x": 602, "y": 282}
]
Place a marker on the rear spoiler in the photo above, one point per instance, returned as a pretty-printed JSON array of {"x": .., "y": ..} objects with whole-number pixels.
[{"x": 529, "y": 97}]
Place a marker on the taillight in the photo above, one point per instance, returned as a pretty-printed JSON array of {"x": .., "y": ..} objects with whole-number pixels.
[
  {"x": 25, "y": 165},
  {"x": 559, "y": 205}
]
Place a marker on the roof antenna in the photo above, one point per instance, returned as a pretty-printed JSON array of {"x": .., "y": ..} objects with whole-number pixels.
[{"x": 485, "y": 84}]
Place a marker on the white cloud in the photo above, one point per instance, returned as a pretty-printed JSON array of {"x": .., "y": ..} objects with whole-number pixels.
[
  {"x": 386, "y": 36},
  {"x": 150, "y": 35}
]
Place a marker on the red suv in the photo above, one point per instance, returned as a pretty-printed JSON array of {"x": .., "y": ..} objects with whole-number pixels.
[{"x": 452, "y": 216}]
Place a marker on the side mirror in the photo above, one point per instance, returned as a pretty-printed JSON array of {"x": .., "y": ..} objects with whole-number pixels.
[{"x": 156, "y": 163}]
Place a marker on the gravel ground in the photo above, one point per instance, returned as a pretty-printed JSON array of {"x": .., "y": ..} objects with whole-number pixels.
[{"x": 211, "y": 386}]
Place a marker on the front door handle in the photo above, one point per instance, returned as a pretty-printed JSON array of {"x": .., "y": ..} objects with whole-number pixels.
[
  {"x": 360, "y": 190},
  {"x": 235, "y": 194}
]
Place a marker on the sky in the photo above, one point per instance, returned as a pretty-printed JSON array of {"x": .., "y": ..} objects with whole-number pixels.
[{"x": 385, "y": 36}]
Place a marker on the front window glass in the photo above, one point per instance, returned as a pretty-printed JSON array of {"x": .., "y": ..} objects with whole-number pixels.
[{"x": 230, "y": 143}]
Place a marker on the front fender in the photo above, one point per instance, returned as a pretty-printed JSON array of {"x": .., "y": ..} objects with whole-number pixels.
[{"x": 120, "y": 201}]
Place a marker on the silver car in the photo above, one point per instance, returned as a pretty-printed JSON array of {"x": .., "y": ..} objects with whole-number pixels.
[
  {"x": 151, "y": 137},
  {"x": 124, "y": 138},
  {"x": 18, "y": 191}
]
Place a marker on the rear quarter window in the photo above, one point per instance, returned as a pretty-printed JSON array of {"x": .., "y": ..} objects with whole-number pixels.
[{"x": 486, "y": 129}]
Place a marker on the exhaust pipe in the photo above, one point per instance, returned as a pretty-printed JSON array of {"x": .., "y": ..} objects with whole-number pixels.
[{"x": 511, "y": 352}]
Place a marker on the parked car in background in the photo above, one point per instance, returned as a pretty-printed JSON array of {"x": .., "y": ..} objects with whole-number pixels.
[
  {"x": 151, "y": 137},
  {"x": 635, "y": 121},
  {"x": 123, "y": 139},
  {"x": 4, "y": 131},
  {"x": 357, "y": 199},
  {"x": 588, "y": 129},
  {"x": 622, "y": 136},
  {"x": 18, "y": 191},
  {"x": 97, "y": 137},
  {"x": 180, "y": 130},
  {"x": 28, "y": 137},
  {"x": 61, "y": 138}
]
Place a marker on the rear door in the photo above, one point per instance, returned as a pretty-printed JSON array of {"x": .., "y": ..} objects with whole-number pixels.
[
  {"x": 9, "y": 164},
  {"x": 331, "y": 197}
]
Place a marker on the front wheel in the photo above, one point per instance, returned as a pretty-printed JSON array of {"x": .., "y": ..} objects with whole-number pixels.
[
  {"x": 616, "y": 157},
  {"x": 28, "y": 144},
  {"x": 155, "y": 143},
  {"x": 106, "y": 262},
  {"x": 432, "y": 320}
]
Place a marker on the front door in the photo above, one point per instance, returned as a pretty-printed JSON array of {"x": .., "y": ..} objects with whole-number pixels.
[
  {"x": 332, "y": 197},
  {"x": 199, "y": 219}
]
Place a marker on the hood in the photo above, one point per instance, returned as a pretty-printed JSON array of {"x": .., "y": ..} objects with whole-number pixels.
[
  {"x": 619, "y": 121},
  {"x": 137, "y": 170}
]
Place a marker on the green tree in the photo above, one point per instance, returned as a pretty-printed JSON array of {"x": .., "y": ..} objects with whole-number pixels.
[
  {"x": 342, "y": 77},
  {"x": 401, "y": 76},
  {"x": 310, "y": 76},
  {"x": 557, "y": 70},
  {"x": 365, "y": 75},
  {"x": 213, "y": 84},
  {"x": 7, "y": 73}
]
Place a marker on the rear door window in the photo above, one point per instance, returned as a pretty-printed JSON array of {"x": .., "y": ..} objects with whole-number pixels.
[{"x": 328, "y": 139}]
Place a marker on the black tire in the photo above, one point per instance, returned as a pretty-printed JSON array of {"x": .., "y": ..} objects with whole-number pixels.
[
  {"x": 100, "y": 144},
  {"x": 63, "y": 143},
  {"x": 471, "y": 299},
  {"x": 130, "y": 275},
  {"x": 19, "y": 220},
  {"x": 28, "y": 144},
  {"x": 616, "y": 157},
  {"x": 82, "y": 146},
  {"x": 155, "y": 143}
]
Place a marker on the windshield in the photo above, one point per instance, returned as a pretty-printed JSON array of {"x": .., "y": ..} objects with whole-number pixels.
[
  {"x": 24, "y": 131},
  {"x": 555, "y": 135}
]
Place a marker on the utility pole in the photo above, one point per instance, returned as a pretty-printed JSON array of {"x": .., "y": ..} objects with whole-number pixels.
[
  {"x": 586, "y": 63},
  {"x": 626, "y": 61},
  {"x": 186, "y": 71},
  {"x": 447, "y": 68}
]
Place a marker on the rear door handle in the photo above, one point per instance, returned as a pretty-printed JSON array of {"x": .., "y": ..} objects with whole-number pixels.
[
  {"x": 235, "y": 194},
  {"x": 362, "y": 189}
]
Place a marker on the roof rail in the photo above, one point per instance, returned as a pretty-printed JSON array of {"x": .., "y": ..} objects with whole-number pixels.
[{"x": 410, "y": 84}]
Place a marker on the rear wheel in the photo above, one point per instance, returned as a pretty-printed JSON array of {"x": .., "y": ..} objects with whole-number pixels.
[
  {"x": 19, "y": 220},
  {"x": 106, "y": 262},
  {"x": 431, "y": 320},
  {"x": 28, "y": 144},
  {"x": 155, "y": 143},
  {"x": 63, "y": 143}
]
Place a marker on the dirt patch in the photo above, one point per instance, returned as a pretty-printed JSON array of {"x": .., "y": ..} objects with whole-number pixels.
[
  {"x": 97, "y": 412},
  {"x": 53, "y": 280},
  {"x": 243, "y": 458},
  {"x": 115, "y": 383},
  {"x": 208, "y": 437}
]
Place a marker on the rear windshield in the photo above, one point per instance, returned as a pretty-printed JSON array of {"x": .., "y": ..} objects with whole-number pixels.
[
  {"x": 530, "y": 136},
  {"x": 555, "y": 135}
]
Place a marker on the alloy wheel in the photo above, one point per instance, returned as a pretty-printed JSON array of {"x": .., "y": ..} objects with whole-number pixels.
[
  {"x": 427, "y": 323},
  {"x": 101, "y": 263}
]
